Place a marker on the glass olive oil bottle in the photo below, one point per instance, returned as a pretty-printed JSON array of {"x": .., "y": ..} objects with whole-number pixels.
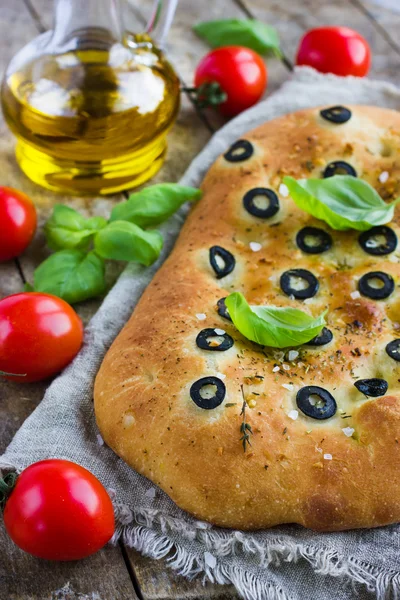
[{"x": 90, "y": 106}]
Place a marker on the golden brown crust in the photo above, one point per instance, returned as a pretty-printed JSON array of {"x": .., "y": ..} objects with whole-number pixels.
[{"x": 142, "y": 402}]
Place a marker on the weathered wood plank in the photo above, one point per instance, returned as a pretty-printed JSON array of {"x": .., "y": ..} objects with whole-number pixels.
[
  {"x": 102, "y": 576},
  {"x": 292, "y": 19},
  {"x": 158, "y": 582}
]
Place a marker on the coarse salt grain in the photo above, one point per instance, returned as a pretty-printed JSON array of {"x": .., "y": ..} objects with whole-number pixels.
[
  {"x": 284, "y": 190},
  {"x": 275, "y": 369},
  {"x": 255, "y": 246},
  {"x": 383, "y": 177},
  {"x": 307, "y": 300},
  {"x": 348, "y": 431},
  {"x": 292, "y": 354},
  {"x": 151, "y": 493},
  {"x": 219, "y": 331},
  {"x": 288, "y": 386},
  {"x": 328, "y": 456},
  {"x": 201, "y": 316},
  {"x": 210, "y": 560},
  {"x": 293, "y": 414},
  {"x": 286, "y": 367},
  {"x": 100, "y": 440},
  {"x": 221, "y": 375},
  {"x": 356, "y": 294}
]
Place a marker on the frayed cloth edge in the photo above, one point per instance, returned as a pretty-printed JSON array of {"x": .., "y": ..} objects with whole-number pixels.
[{"x": 136, "y": 529}]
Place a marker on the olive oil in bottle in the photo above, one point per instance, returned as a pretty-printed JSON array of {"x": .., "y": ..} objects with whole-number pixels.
[{"x": 92, "y": 119}]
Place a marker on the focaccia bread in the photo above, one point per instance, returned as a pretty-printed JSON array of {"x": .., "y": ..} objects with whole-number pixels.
[{"x": 323, "y": 453}]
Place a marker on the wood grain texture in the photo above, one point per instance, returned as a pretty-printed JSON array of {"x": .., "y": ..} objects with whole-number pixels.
[
  {"x": 293, "y": 19},
  {"x": 158, "y": 582},
  {"x": 102, "y": 576}
]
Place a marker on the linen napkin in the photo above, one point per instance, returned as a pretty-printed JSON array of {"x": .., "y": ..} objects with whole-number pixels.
[{"x": 283, "y": 563}]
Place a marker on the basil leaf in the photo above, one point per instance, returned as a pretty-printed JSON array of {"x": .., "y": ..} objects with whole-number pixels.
[
  {"x": 121, "y": 240},
  {"x": 273, "y": 326},
  {"x": 250, "y": 33},
  {"x": 72, "y": 275},
  {"x": 342, "y": 201},
  {"x": 66, "y": 228},
  {"x": 154, "y": 204}
]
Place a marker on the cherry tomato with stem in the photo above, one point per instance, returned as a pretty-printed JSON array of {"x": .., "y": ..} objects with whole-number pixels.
[
  {"x": 39, "y": 335},
  {"x": 338, "y": 50},
  {"x": 17, "y": 222},
  {"x": 240, "y": 73},
  {"x": 58, "y": 510}
]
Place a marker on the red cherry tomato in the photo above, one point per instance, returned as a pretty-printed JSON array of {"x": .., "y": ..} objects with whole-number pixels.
[
  {"x": 241, "y": 73},
  {"x": 59, "y": 511},
  {"x": 337, "y": 50},
  {"x": 17, "y": 222},
  {"x": 39, "y": 335}
]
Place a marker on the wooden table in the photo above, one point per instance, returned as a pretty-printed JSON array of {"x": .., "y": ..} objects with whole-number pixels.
[{"x": 117, "y": 573}]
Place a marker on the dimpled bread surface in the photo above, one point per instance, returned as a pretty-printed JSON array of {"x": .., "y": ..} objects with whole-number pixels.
[{"x": 298, "y": 469}]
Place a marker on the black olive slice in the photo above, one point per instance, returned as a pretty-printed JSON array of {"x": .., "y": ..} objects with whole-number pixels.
[
  {"x": 321, "y": 406},
  {"x": 339, "y": 167},
  {"x": 336, "y": 114},
  {"x": 375, "y": 247},
  {"x": 376, "y": 293},
  {"x": 223, "y": 310},
  {"x": 240, "y": 150},
  {"x": 227, "y": 258},
  {"x": 208, "y": 402},
  {"x": 372, "y": 387},
  {"x": 301, "y": 294},
  {"x": 324, "y": 337},
  {"x": 256, "y": 211},
  {"x": 393, "y": 349},
  {"x": 313, "y": 240},
  {"x": 204, "y": 342}
]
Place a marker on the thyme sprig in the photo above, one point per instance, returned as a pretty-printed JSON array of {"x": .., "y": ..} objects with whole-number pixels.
[{"x": 245, "y": 428}]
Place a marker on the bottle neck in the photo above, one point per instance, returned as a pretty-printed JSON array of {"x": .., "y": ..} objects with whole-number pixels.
[{"x": 81, "y": 22}]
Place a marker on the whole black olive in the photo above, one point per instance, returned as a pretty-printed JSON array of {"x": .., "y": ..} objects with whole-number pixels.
[
  {"x": 211, "y": 401},
  {"x": 316, "y": 402}
]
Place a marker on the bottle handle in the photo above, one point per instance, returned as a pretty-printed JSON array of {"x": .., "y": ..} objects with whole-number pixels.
[{"x": 161, "y": 20}]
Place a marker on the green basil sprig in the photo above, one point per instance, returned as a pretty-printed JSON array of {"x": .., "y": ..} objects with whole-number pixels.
[
  {"x": 122, "y": 240},
  {"x": 153, "y": 205},
  {"x": 72, "y": 275},
  {"x": 273, "y": 326},
  {"x": 67, "y": 229},
  {"x": 76, "y": 271},
  {"x": 250, "y": 33},
  {"x": 342, "y": 201}
]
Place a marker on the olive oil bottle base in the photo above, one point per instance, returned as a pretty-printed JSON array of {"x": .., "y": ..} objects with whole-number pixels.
[{"x": 91, "y": 178}]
